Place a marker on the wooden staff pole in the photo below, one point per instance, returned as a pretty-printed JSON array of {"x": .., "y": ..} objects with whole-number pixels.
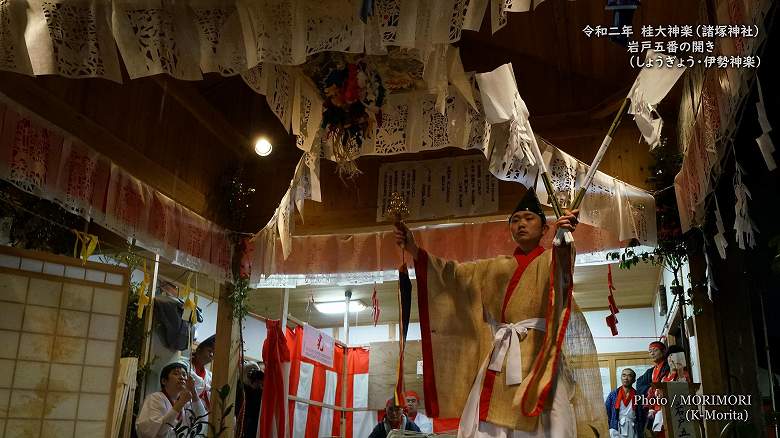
[{"x": 600, "y": 155}]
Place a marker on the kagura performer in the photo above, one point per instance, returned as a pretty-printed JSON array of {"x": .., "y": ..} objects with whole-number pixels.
[{"x": 496, "y": 349}]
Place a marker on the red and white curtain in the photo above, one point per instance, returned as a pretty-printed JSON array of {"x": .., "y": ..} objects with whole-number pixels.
[{"x": 314, "y": 381}]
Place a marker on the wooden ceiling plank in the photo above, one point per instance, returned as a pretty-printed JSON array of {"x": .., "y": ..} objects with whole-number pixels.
[
  {"x": 27, "y": 93},
  {"x": 211, "y": 118}
]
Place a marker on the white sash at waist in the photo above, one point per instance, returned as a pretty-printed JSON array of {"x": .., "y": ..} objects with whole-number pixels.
[{"x": 506, "y": 344}]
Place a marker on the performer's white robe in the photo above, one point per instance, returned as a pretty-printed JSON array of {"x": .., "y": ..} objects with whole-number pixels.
[{"x": 626, "y": 422}]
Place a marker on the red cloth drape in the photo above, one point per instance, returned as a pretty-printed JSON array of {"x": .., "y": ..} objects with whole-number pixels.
[{"x": 276, "y": 355}]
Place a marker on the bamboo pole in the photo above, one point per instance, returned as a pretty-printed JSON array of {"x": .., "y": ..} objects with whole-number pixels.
[
  {"x": 146, "y": 346},
  {"x": 347, "y": 297}
]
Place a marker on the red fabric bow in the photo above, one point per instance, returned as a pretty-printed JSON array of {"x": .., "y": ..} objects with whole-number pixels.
[
  {"x": 375, "y": 310},
  {"x": 613, "y": 309}
]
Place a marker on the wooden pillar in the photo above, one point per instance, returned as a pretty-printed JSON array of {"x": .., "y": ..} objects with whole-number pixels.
[
  {"x": 225, "y": 365},
  {"x": 706, "y": 327},
  {"x": 738, "y": 362}
]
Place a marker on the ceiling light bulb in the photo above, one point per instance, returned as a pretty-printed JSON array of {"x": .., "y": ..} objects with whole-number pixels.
[{"x": 263, "y": 147}]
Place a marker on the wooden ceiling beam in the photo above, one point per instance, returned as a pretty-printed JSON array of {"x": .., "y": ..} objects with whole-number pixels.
[
  {"x": 26, "y": 92},
  {"x": 207, "y": 115}
]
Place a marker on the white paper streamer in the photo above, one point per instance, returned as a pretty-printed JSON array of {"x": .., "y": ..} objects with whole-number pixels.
[
  {"x": 764, "y": 141},
  {"x": 743, "y": 225},
  {"x": 720, "y": 239},
  {"x": 649, "y": 88},
  {"x": 502, "y": 102}
]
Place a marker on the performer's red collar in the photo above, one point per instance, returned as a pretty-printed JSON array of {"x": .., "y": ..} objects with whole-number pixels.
[
  {"x": 626, "y": 399},
  {"x": 411, "y": 417},
  {"x": 657, "y": 370},
  {"x": 200, "y": 371},
  {"x": 523, "y": 260},
  {"x": 533, "y": 253}
]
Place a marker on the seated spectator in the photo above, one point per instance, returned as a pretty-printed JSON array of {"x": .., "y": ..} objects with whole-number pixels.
[
  {"x": 249, "y": 399},
  {"x": 176, "y": 404},
  {"x": 394, "y": 419}
]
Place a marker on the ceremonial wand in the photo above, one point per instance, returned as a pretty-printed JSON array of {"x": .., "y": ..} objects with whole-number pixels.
[
  {"x": 649, "y": 88},
  {"x": 398, "y": 211},
  {"x": 580, "y": 195}
]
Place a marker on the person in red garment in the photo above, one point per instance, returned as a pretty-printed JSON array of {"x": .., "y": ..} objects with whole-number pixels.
[
  {"x": 678, "y": 372},
  {"x": 203, "y": 356}
]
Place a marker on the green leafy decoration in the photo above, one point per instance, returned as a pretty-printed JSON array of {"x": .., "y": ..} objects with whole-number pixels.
[{"x": 238, "y": 296}]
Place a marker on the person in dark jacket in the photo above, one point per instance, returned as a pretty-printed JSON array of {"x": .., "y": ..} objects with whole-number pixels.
[
  {"x": 249, "y": 399},
  {"x": 394, "y": 419}
]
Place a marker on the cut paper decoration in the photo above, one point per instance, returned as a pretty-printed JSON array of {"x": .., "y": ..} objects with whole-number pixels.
[
  {"x": 764, "y": 140},
  {"x": 743, "y": 225},
  {"x": 720, "y": 239},
  {"x": 501, "y": 102},
  {"x": 649, "y": 88}
]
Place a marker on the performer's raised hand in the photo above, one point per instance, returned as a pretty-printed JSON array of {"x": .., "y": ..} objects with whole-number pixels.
[
  {"x": 568, "y": 221},
  {"x": 405, "y": 239},
  {"x": 191, "y": 388},
  {"x": 185, "y": 397}
]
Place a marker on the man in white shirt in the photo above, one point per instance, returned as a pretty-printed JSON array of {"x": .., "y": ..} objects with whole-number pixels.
[
  {"x": 421, "y": 420},
  {"x": 176, "y": 405}
]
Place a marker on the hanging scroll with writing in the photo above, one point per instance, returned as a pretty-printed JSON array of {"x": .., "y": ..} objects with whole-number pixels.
[{"x": 461, "y": 186}]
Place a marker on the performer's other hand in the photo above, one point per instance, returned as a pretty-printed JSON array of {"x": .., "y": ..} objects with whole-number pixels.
[
  {"x": 405, "y": 239},
  {"x": 568, "y": 221}
]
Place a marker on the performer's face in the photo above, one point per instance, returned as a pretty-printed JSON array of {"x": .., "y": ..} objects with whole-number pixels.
[
  {"x": 526, "y": 228},
  {"x": 204, "y": 355},
  {"x": 175, "y": 382},
  {"x": 627, "y": 378},
  {"x": 676, "y": 362},
  {"x": 656, "y": 354},
  {"x": 411, "y": 405}
]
